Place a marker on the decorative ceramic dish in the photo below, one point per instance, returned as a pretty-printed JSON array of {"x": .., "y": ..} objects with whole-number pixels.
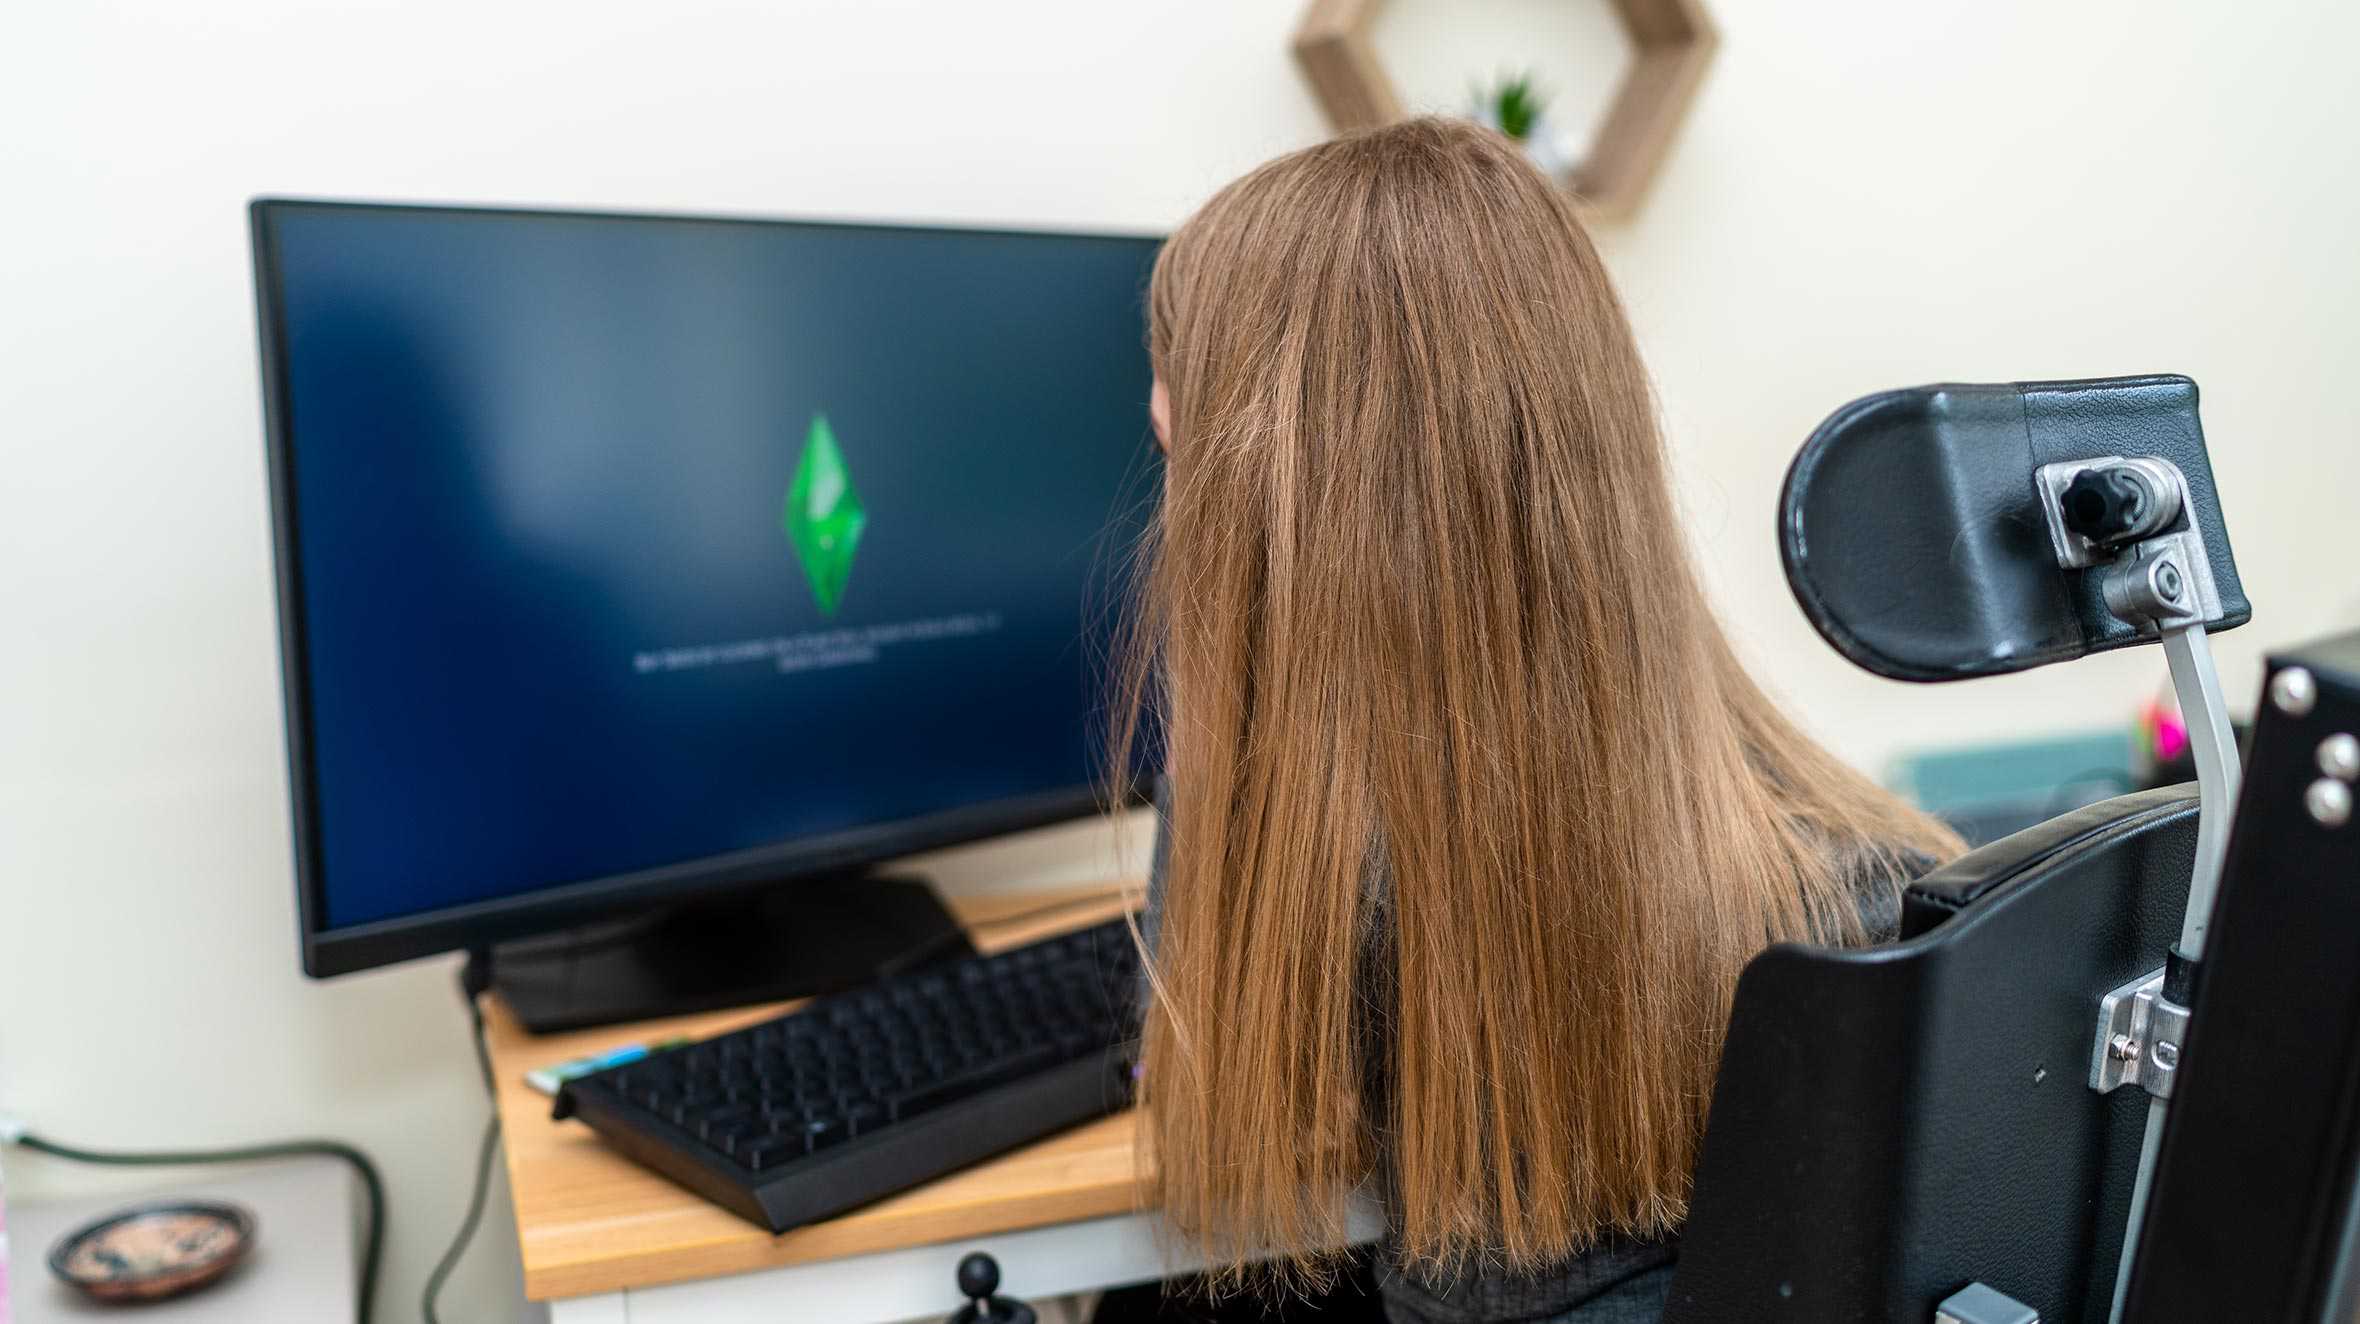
[{"x": 152, "y": 1251}]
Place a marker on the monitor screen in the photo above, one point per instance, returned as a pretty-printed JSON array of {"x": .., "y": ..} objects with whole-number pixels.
[{"x": 627, "y": 556}]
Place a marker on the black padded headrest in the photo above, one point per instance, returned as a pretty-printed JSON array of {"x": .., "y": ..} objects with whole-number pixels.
[{"x": 1913, "y": 533}]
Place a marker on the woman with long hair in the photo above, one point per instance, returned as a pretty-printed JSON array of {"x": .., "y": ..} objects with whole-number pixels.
[{"x": 1472, "y": 815}]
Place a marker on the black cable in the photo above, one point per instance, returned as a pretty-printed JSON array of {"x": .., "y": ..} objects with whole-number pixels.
[
  {"x": 467, "y": 1225},
  {"x": 373, "y": 1184},
  {"x": 474, "y": 977}
]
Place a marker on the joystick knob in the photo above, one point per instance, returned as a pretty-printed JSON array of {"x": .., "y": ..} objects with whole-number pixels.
[
  {"x": 979, "y": 1282},
  {"x": 979, "y": 1277}
]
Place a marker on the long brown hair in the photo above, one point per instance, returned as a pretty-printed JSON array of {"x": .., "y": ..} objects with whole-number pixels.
[{"x": 1474, "y": 814}]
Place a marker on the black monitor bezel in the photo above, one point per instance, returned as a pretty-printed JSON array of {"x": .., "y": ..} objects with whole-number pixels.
[{"x": 329, "y": 951}]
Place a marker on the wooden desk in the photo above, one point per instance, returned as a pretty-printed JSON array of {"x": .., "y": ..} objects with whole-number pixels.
[{"x": 601, "y": 1236}]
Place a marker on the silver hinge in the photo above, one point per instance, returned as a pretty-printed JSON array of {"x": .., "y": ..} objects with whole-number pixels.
[
  {"x": 2139, "y": 1036},
  {"x": 2161, "y": 579}
]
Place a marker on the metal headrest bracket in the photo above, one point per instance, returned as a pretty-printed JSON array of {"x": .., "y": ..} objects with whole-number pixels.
[{"x": 2129, "y": 520}]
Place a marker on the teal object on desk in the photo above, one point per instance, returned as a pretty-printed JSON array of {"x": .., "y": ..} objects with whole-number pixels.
[
  {"x": 548, "y": 1079},
  {"x": 1989, "y": 791}
]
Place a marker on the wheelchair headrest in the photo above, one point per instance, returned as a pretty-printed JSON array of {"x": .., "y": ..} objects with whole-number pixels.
[{"x": 1944, "y": 532}]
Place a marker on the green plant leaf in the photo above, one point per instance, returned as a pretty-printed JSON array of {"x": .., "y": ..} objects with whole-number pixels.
[{"x": 1516, "y": 104}]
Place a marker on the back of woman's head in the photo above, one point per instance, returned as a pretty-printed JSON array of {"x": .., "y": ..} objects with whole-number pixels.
[{"x": 1474, "y": 817}]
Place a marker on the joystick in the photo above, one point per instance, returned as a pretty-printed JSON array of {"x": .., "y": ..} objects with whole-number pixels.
[{"x": 979, "y": 1278}]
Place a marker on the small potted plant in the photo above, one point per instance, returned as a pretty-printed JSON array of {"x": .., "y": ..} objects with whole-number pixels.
[{"x": 1518, "y": 108}]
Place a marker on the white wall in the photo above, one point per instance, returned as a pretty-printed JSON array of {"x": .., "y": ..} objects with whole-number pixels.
[
  {"x": 1869, "y": 195},
  {"x": 1875, "y": 195}
]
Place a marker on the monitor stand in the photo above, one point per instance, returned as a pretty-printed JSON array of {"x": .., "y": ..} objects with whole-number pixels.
[{"x": 789, "y": 941}]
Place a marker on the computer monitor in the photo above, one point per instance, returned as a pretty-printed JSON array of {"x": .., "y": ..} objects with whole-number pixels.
[{"x": 625, "y": 560}]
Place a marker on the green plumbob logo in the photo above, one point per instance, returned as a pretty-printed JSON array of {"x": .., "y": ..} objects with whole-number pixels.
[{"x": 823, "y": 517}]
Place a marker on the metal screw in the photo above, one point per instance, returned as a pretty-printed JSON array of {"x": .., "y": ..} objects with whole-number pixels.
[
  {"x": 2167, "y": 1055},
  {"x": 2339, "y": 757},
  {"x": 2167, "y": 581},
  {"x": 2122, "y": 1048},
  {"x": 2329, "y": 801},
  {"x": 2293, "y": 691}
]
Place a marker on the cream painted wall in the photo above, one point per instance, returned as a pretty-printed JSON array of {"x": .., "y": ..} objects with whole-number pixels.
[
  {"x": 1877, "y": 195},
  {"x": 1868, "y": 195}
]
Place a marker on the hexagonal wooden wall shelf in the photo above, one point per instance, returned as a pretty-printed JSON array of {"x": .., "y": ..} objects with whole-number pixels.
[{"x": 1672, "y": 43}]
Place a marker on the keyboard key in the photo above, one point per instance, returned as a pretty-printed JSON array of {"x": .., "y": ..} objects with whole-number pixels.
[
  {"x": 861, "y": 1118},
  {"x": 912, "y": 1102}
]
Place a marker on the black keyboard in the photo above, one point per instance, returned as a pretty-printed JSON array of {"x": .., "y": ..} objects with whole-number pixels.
[{"x": 850, "y": 1098}]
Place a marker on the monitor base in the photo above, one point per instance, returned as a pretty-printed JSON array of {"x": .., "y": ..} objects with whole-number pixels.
[{"x": 790, "y": 941}]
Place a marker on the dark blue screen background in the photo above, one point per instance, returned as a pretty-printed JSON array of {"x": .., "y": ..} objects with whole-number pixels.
[{"x": 532, "y": 452}]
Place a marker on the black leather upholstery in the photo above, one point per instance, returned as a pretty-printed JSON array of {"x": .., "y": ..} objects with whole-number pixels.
[
  {"x": 1913, "y": 536},
  {"x": 1892, "y": 1123},
  {"x": 1946, "y": 891}
]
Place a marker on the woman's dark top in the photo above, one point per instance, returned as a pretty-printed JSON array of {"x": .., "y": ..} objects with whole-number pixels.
[{"x": 1616, "y": 1281}]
